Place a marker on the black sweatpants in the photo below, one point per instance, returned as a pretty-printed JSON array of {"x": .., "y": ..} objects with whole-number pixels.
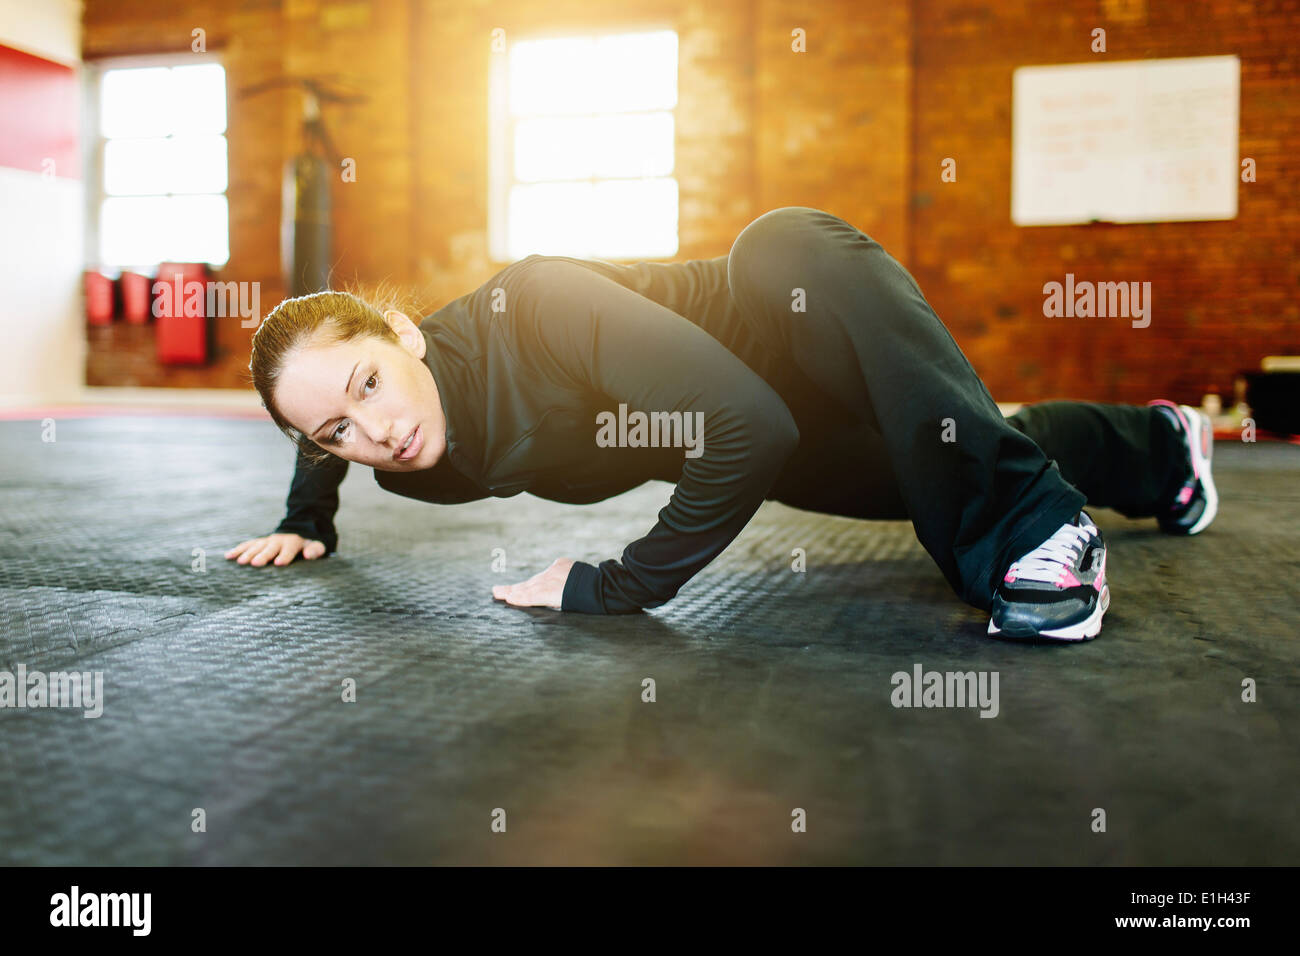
[{"x": 929, "y": 442}]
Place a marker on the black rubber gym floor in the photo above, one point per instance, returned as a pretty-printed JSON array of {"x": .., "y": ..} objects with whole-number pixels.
[{"x": 223, "y": 685}]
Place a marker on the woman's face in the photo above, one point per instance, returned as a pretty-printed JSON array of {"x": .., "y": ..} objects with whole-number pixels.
[{"x": 362, "y": 400}]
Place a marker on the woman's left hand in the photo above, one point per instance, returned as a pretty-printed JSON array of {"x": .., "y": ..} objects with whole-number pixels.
[{"x": 545, "y": 589}]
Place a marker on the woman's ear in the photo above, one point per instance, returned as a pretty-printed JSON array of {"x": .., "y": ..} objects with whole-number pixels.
[{"x": 410, "y": 334}]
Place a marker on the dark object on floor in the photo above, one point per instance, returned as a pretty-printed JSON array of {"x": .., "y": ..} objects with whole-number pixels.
[{"x": 1274, "y": 400}]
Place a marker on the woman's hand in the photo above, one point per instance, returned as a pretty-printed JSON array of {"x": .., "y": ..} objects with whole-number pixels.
[
  {"x": 282, "y": 548},
  {"x": 541, "y": 590}
]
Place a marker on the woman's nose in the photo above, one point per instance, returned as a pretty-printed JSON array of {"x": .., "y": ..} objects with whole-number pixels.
[{"x": 377, "y": 427}]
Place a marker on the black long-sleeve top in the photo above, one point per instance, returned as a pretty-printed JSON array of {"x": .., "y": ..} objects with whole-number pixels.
[{"x": 525, "y": 363}]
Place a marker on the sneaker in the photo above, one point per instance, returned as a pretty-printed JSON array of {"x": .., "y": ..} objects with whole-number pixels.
[
  {"x": 1058, "y": 590},
  {"x": 1197, "y": 502}
]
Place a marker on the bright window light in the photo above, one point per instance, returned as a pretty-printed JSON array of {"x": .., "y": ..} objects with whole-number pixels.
[
  {"x": 583, "y": 147},
  {"x": 164, "y": 165}
]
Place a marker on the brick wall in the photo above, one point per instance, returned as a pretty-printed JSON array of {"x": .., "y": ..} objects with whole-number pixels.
[
  {"x": 856, "y": 125},
  {"x": 1223, "y": 293}
]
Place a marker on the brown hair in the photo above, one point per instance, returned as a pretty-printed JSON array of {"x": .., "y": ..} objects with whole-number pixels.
[{"x": 320, "y": 318}]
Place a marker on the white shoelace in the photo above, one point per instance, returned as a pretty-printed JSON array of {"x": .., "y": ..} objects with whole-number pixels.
[{"x": 1055, "y": 555}]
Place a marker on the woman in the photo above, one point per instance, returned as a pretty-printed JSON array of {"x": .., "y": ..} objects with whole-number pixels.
[{"x": 816, "y": 373}]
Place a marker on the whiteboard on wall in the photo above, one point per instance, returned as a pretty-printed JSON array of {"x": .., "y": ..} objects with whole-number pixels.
[{"x": 1130, "y": 141}]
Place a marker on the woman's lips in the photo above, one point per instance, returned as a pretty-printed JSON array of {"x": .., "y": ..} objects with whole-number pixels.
[{"x": 413, "y": 449}]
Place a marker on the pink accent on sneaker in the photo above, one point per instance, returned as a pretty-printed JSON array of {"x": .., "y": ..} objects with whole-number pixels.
[
  {"x": 1068, "y": 580},
  {"x": 1185, "y": 495},
  {"x": 1100, "y": 582},
  {"x": 1010, "y": 577}
]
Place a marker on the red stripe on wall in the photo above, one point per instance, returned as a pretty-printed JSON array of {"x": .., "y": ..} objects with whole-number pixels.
[{"x": 39, "y": 115}]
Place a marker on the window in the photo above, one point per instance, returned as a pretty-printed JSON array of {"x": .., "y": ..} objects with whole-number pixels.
[
  {"x": 161, "y": 165},
  {"x": 582, "y": 147}
]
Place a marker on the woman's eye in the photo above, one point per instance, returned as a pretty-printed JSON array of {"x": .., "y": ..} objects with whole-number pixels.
[{"x": 370, "y": 385}]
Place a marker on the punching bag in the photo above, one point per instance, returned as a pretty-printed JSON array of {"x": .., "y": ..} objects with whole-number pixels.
[
  {"x": 305, "y": 216},
  {"x": 306, "y": 254},
  {"x": 305, "y": 224}
]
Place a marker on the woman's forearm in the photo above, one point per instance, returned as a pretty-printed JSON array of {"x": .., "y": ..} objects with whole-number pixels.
[{"x": 314, "y": 499}]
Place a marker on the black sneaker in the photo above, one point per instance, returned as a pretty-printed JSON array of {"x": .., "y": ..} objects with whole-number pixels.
[
  {"x": 1197, "y": 502},
  {"x": 1058, "y": 590}
]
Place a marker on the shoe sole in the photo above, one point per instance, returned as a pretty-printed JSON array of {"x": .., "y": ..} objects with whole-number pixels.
[
  {"x": 1085, "y": 630},
  {"x": 1202, "y": 453}
]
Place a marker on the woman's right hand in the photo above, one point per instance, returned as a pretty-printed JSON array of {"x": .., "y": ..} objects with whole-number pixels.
[{"x": 280, "y": 548}]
